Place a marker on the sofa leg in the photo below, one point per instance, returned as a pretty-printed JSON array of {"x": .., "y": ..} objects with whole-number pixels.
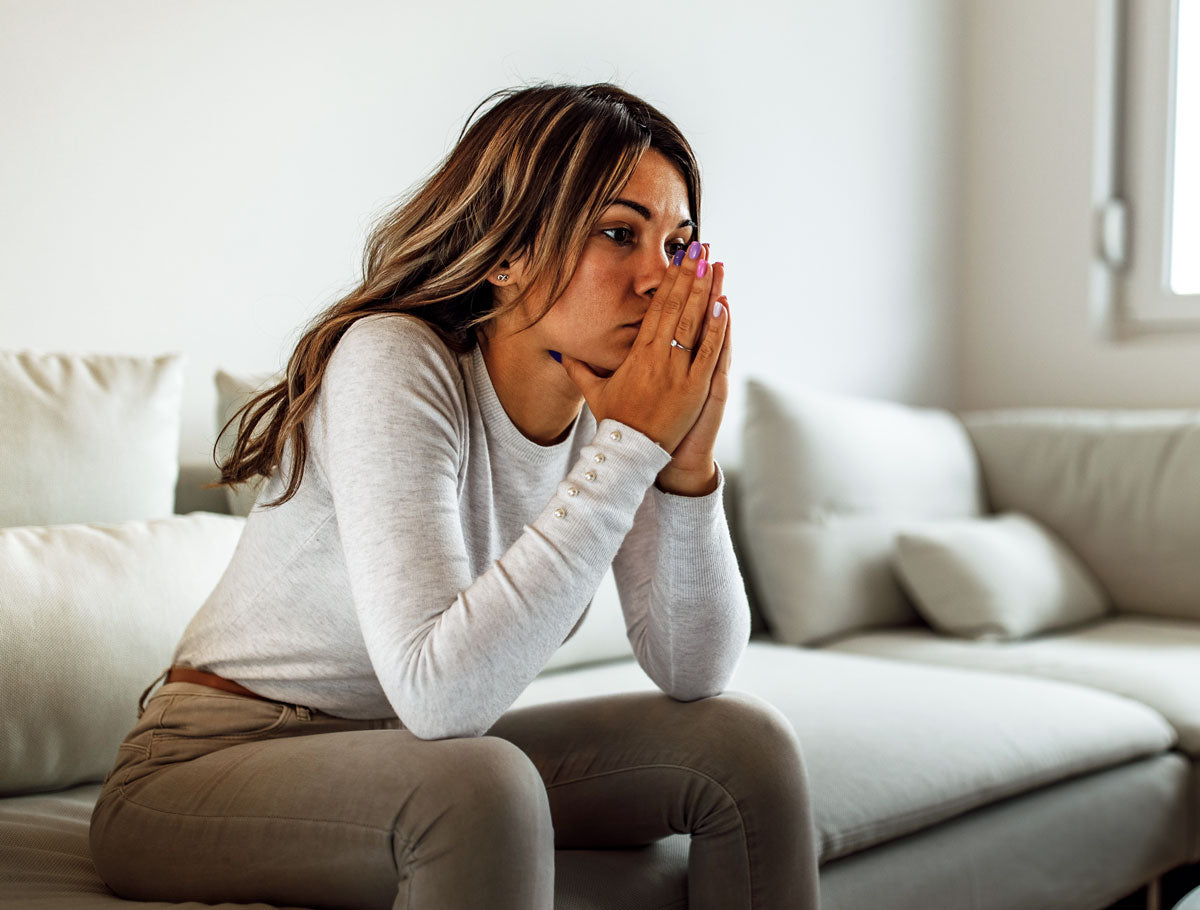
[{"x": 1154, "y": 894}]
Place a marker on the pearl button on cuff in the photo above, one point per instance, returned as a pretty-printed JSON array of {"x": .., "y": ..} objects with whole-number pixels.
[
  {"x": 590, "y": 475},
  {"x": 572, "y": 491},
  {"x": 615, "y": 435},
  {"x": 599, "y": 457},
  {"x": 560, "y": 512}
]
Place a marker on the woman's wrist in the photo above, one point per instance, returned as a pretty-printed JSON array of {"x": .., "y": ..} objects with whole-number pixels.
[{"x": 688, "y": 483}]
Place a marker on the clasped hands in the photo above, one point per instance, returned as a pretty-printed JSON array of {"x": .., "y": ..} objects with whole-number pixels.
[{"x": 673, "y": 395}]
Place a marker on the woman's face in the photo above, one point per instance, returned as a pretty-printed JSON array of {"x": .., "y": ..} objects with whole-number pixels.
[{"x": 597, "y": 317}]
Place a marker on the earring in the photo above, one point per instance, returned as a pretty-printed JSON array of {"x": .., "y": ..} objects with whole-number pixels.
[{"x": 502, "y": 277}]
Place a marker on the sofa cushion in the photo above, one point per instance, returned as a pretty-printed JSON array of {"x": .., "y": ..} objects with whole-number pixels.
[
  {"x": 1002, "y": 576},
  {"x": 827, "y": 480},
  {"x": 1153, "y": 661},
  {"x": 89, "y": 615},
  {"x": 1121, "y": 488},
  {"x": 88, "y": 437},
  {"x": 893, "y": 748}
]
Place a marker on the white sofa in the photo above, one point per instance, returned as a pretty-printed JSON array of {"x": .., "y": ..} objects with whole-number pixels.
[{"x": 1056, "y": 769}]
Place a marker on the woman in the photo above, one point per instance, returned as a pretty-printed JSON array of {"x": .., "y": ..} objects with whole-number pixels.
[{"x": 524, "y": 390}]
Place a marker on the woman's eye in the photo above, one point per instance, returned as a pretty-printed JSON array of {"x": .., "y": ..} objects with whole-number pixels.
[
  {"x": 675, "y": 246},
  {"x": 619, "y": 230}
]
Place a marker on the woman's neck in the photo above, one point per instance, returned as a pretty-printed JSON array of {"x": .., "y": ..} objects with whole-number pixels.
[{"x": 534, "y": 390}]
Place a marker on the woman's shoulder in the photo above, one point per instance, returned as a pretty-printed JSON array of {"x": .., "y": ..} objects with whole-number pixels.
[
  {"x": 388, "y": 363},
  {"x": 398, "y": 346},
  {"x": 399, "y": 330}
]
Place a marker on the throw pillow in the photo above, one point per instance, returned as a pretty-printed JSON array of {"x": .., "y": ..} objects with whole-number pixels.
[
  {"x": 999, "y": 577},
  {"x": 88, "y": 438},
  {"x": 89, "y": 615}
]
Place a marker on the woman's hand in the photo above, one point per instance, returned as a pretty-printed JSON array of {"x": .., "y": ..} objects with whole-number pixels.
[
  {"x": 660, "y": 389},
  {"x": 692, "y": 470}
]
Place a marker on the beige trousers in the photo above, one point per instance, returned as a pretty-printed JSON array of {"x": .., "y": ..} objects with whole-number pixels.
[{"x": 219, "y": 797}]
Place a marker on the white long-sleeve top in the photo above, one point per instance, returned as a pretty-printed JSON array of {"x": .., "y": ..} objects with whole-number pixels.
[{"x": 434, "y": 558}]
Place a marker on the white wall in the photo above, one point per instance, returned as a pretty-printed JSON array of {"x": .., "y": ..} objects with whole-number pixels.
[
  {"x": 200, "y": 176},
  {"x": 1028, "y": 336}
]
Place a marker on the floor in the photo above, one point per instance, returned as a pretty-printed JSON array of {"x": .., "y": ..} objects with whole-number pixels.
[{"x": 1175, "y": 884}]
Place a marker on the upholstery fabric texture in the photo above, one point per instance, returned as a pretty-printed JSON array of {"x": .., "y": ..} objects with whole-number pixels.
[
  {"x": 88, "y": 438},
  {"x": 1125, "y": 824},
  {"x": 827, "y": 480},
  {"x": 1001, "y": 576},
  {"x": 1153, "y": 661},
  {"x": 89, "y": 614},
  {"x": 1121, "y": 488}
]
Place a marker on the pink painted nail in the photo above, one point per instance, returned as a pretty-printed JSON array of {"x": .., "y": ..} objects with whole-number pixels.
[{"x": 702, "y": 268}]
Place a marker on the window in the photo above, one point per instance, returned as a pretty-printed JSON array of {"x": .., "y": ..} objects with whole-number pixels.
[
  {"x": 1185, "y": 152},
  {"x": 1147, "y": 187}
]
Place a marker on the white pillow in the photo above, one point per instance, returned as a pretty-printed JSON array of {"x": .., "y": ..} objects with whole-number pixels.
[
  {"x": 90, "y": 614},
  {"x": 825, "y": 481},
  {"x": 998, "y": 577},
  {"x": 87, "y": 438},
  {"x": 233, "y": 391}
]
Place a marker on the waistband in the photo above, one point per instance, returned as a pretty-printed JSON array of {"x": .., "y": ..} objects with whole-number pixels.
[{"x": 203, "y": 678}]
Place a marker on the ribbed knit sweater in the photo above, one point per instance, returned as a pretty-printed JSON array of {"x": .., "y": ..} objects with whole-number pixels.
[{"x": 434, "y": 558}]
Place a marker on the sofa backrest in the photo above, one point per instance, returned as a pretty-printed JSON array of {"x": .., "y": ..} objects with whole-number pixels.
[{"x": 1120, "y": 487}]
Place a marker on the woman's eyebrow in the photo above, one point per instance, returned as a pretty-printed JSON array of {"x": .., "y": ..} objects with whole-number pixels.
[{"x": 645, "y": 212}]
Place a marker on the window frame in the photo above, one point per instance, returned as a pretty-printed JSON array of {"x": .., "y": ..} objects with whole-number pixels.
[{"x": 1132, "y": 186}]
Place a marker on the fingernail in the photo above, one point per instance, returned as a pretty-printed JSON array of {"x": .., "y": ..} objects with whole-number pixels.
[
  {"x": 678, "y": 257},
  {"x": 717, "y": 310},
  {"x": 720, "y": 263},
  {"x": 702, "y": 268},
  {"x": 694, "y": 249},
  {"x": 557, "y": 356}
]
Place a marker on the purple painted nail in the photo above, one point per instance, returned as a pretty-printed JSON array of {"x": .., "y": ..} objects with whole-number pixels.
[
  {"x": 678, "y": 257},
  {"x": 694, "y": 249},
  {"x": 557, "y": 356}
]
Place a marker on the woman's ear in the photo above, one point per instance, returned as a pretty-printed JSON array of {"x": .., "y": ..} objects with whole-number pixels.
[{"x": 505, "y": 275}]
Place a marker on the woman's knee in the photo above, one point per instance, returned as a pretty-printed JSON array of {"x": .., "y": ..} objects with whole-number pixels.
[
  {"x": 750, "y": 733},
  {"x": 495, "y": 791}
]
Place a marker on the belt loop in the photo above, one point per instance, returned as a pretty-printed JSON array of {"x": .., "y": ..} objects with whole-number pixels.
[
  {"x": 142, "y": 700},
  {"x": 303, "y": 712}
]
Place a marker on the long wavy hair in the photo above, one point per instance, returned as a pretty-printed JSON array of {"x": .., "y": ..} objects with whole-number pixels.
[{"x": 528, "y": 179}]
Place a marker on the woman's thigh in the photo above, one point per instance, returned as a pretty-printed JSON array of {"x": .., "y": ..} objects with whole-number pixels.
[{"x": 224, "y": 798}]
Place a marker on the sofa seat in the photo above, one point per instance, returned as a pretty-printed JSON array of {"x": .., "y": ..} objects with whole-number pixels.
[
  {"x": 893, "y": 749},
  {"x": 1153, "y": 661}
]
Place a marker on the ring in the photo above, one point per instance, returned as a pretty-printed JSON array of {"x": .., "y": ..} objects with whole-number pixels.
[{"x": 676, "y": 344}]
